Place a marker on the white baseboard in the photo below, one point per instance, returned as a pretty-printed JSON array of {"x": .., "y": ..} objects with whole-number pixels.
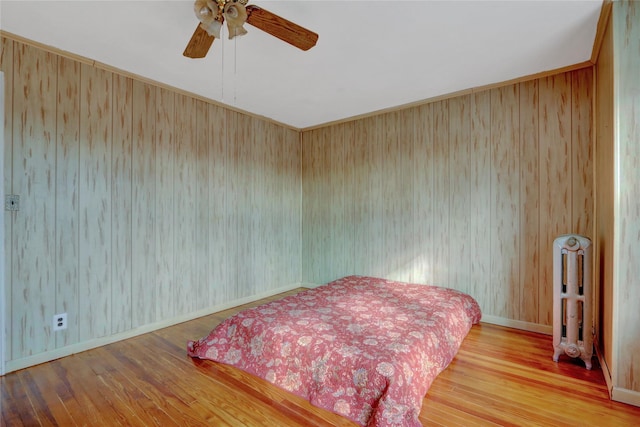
[
  {"x": 47, "y": 356},
  {"x": 630, "y": 397},
  {"x": 603, "y": 365},
  {"x": 518, "y": 324},
  {"x": 617, "y": 394},
  {"x": 311, "y": 285}
]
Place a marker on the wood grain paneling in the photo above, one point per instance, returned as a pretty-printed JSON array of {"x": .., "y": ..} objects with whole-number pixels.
[
  {"x": 505, "y": 202},
  {"x": 529, "y": 191},
  {"x": 360, "y": 198},
  {"x": 424, "y": 206},
  {"x": 459, "y": 172},
  {"x": 555, "y": 179},
  {"x": 121, "y": 193},
  {"x": 33, "y": 166},
  {"x": 261, "y": 199},
  {"x": 264, "y": 197},
  {"x": 350, "y": 166},
  {"x": 582, "y": 152},
  {"x": 138, "y": 205},
  {"x": 480, "y": 198},
  {"x": 441, "y": 194},
  {"x": 375, "y": 204},
  {"x": 165, "y": 208},
  {"x": 605, "y": 195},
  {"x": 313, "y": 205},
  {"x": 185, "y": 157},
  {"x": 617, "y": 222},
  {"x": 337, "y": 183},
  {"x": 271, "y": 198},
  {"x": 218, "y": 214},
  {"x": 95, "y": 248},
  {"x": 626, "y": 18},
  {"x": 255, "y": 203},
  {"x": 6, "y": 66},
  {"x": 397, "y": 184},
  {"x": 202, "y": 273},
  {"x": 234, "y": 215},
  {"x": 68, "y": 198},
  {"x": 275, "y": 215},
  {"x": 143, "y": 206},
  {"x": 243, "y": 260},
  {"x": 292, "y": 204},
  {"x": 477, "y": 207}
]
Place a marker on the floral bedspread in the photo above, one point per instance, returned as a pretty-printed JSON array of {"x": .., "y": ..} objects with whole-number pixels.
[{"x": 362, "y": 347}]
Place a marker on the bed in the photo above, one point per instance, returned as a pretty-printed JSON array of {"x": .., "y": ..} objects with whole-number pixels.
[{"x": 363, "y": 347}]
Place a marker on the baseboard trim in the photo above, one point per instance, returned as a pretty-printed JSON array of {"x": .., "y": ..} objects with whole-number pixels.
[
  {"x": 518, "y": 324},
  {"x": 606, "y": 373},
  {"x": 311, "y": 285},
  {"x": 48, "y": 356},
  {"x": 623, "y": 395}
]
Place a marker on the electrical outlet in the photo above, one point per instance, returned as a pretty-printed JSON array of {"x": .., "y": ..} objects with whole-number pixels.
[{"x": 59, "y": 322}]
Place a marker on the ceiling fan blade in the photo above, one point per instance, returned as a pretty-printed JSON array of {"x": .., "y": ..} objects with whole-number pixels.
[
  {"x": 199, "y": 44},
  {"x": 281, "y": 28}
]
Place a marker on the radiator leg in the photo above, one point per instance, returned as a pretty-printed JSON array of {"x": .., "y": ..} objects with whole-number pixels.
[{"x": 586, "y": 356}]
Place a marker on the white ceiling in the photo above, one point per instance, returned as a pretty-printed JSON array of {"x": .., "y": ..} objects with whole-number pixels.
[{"x": 371, "y": 55}]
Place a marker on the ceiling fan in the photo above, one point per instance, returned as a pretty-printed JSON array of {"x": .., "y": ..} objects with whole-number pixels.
[{"x": 213, "y": 13}]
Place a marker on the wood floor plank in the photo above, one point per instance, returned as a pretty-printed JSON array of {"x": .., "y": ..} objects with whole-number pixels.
[
  {"x": 16, "y": 408},
  {"x": 47, "y": 404},
  {"x": 500, "y": 377}
]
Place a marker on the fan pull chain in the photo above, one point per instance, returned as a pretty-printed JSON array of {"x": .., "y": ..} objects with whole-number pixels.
[
  {"x": 222, "y": 71},
  {"x": 235, "y": 69}
]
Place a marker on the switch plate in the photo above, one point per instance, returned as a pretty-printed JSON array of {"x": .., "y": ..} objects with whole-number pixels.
[{"x": 12, "y": 202}]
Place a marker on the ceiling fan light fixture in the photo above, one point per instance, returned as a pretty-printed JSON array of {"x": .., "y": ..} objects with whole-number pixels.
[
  {"x": 236, "y": 15},
  {"x": 212, "y": 28},
  {"x": 203, "y": 10},
  {"x": 207, "y": 13},
  {"x": 211, "y": 15}
]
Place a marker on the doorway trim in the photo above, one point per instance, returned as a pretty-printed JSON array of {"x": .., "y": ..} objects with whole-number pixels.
[{"x": 3, "y": 294}]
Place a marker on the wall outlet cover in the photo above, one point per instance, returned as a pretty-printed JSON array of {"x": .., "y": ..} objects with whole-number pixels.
[{"x": 59, "y": 322}]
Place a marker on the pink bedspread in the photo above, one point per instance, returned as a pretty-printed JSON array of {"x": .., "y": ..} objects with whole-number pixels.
[{"x": 362, "y": 347}]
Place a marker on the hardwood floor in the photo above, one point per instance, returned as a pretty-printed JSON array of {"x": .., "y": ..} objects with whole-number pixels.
[{"x": 501, "y": 376}]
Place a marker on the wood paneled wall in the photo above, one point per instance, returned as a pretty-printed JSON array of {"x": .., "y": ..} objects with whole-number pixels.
[
  {"x": 467, "y": 193},
  {"x": 626, "y": 314},
  {"x": 605, "y": 198},
  {"x": 617, "y": 109},
  {"x": 137, "y": 204},
  {"x": 6, "y": 56}
]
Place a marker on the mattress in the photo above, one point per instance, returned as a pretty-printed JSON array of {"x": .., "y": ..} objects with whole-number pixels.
[{"x": 363, "y": 347}]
